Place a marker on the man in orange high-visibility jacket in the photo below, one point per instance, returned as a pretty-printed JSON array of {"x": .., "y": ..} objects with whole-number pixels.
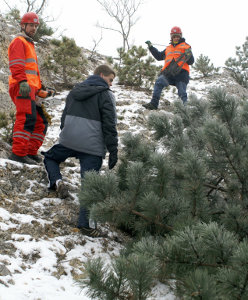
[
  {"x": 177, "y": 58},
  {"x": 24, "y": 83}
]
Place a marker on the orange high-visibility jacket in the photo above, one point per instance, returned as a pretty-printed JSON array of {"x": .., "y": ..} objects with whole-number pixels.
[
  {"x": 173, "y": 52},
  {"x": 23, "y": 62}
]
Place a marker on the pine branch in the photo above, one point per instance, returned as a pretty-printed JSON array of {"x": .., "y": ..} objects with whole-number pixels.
[
  {"x": 167, "y": 227},
  {"x": 232, "y": 165},
  {"x": 199, "y": 264},
  {"x": 240, "y": 296},
  {"x": 194, "y": 250},
  {"x": 213, "y": 187}
]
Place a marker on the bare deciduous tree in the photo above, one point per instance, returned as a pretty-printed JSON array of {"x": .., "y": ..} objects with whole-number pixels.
[
  {"x": 35, "y": 5},
  {"x": 123, "y": 11},
  {"x": 95, "y": 45}
]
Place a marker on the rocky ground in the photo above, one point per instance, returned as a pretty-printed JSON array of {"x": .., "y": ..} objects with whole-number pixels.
[
  {"x": 36, "y": 227},
  {"x": 30, "y": 215},
  {"x": 33, "y": 219}
]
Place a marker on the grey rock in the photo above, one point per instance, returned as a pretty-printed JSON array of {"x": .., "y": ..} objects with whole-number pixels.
[{"x": 4, "y": 271}]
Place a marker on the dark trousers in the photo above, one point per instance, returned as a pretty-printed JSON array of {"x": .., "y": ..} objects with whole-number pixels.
[
  {"x": 58, "y": 154},
  {"x": 163, "y": 82}
]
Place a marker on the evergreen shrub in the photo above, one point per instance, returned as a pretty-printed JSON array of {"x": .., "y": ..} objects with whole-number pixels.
[
  {"x": 239, "y": 66},
  {"x": 135, "y": 69},
  {"x": 204, "y": 66},
  {"x": 183, "y": 197}
]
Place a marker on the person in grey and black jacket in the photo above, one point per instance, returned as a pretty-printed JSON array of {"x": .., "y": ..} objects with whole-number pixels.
[{"x": 88, "y": 129}]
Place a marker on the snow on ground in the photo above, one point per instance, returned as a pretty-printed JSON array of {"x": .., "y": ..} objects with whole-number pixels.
[
  {"x": 41, "y": 278},
  {"x": 39, "y": 281}
]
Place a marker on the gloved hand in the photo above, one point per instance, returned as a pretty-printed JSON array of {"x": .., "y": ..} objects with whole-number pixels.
[
  {"x": 113, "y": 158},
  {"x": 149, "y": 44},
  {"x": 50, "y": 92},
  {"x": 24, "y": 89},
  {"x": 38, "y": 101},
  {"x": 188, "y": 53}
]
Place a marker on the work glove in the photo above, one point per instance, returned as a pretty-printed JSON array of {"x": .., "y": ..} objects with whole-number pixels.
[
  {"x": 113, "y": 158},
  {"x": 188, "y": 53},
  {"x": 149, "y": 44},
  {"x": 24, "y": 89},
  {"x": 38, "y": 101}
]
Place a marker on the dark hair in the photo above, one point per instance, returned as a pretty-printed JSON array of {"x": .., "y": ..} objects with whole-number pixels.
[{"x": 105, "y": 70}]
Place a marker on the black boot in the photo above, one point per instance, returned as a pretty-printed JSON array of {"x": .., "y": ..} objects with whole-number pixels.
[
  {"x": 22, "y": 159},
  {"x": 149, "y": 106},
  {"x": 94, "y": 233},
  {"x": 36, "y": 158}
]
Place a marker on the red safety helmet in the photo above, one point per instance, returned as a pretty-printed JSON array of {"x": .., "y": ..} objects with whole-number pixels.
[
  {"x": 176, "y": 31},
  {"x": 30, "y": 17}
]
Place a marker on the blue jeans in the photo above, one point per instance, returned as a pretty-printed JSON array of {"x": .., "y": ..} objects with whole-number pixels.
[
  {"x": 163, "y": 82},
  {"x": 58, "y": 154}
]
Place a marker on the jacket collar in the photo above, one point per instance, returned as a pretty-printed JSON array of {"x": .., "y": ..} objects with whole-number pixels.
[
  {"x": 182, "y": 40},
  {"x": 96, "y": 80},
  {"x": 23, "y": 34}
]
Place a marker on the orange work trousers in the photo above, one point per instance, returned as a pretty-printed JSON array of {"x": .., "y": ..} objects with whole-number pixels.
[{"x": 30, "y": 125}]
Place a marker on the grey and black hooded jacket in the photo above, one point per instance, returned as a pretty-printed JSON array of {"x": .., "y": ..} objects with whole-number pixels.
[{"x": 88, "y": 121}]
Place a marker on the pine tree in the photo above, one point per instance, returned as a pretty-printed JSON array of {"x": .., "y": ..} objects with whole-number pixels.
[
  {"x": 239, "y": 66},
  {"x": 128, "y": 277},
  {"x": 43, "y": 30},
  {"x": 186, "y": 205},
  {"x": 203, "y": 65},
  {"x": 134, "y": 70},
  {"x": 68, "y": 55}
]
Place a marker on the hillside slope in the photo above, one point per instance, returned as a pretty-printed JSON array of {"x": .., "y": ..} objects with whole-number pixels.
[
  {"x": 8, "y": 30},
  {"x": 41, "y": 256}
]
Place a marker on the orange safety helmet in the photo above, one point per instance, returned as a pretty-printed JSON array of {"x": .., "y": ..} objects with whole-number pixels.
[
  {"x": 176, "y": 31},
  {"x": 30, "y": 17}
]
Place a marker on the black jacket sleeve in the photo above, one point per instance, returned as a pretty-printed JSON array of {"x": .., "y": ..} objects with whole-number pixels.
[
  {"x": 191, "y": 60},
  {"x": 158, "y": 55},
  {"x": 108, "y": 116}
]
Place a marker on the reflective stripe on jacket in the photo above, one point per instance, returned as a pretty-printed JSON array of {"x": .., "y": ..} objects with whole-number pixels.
[
  {"x": 173, "y": 52},
  {"x": 28, "y": 64}
]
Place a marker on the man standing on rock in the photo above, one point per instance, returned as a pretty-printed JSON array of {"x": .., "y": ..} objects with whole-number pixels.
[
  {"x": 88, "y": 126},
  {"x": 177, "y": 58},
  {"x": 24, "y": 84}
]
